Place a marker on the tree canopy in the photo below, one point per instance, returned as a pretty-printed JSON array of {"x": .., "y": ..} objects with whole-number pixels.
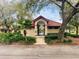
[{"x": 23, "y": 8}]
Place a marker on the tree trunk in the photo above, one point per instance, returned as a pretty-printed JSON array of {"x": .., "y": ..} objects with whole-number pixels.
[
  {"x": 25, "y": 32},
  {"x": 66, "y": 19},
  {"x": 62, "y": 28},
  {"x": 61, "y": 32},
  {"x": 64, "y": 24},
  {"x": 76, "y": 30},
  {"x": 69, "y": 30}
]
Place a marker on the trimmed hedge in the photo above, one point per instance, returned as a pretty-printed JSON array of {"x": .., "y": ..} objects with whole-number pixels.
[
  {"x": 51, "y": 37},
  {"x": 67, "y": 41},
  {"x": 71, "y": 35},
  {"x": 53, "y": 34}
]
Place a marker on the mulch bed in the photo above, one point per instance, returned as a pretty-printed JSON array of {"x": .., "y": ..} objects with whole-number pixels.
[{"x": 75, "y": 41}]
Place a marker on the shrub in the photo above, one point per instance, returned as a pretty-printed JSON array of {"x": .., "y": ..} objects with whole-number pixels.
[
  {"x": 66, "y": 34},
  {"x": 71, "y": 35},
  {"x": 30, "y": 40},
  {"x": 17, "y": 37},
  {"x": 70, "y": 41},
  {"x": 49, "y": 39},
  {"x": 67, "y": 41},
  {"x": 8, "y": 38},
  {"x": 53, "y": 34},
  {"x": 5, "y": 38}
]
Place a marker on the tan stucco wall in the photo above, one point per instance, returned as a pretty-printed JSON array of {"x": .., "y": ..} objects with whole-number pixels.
[
  {"x": 52, "y": 30},
  {"x": 30, "y": 32},
  {"x": 33, "y": 31}
]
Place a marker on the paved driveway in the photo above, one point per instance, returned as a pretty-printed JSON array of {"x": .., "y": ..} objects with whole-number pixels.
[{"x": 39, "y": 52}]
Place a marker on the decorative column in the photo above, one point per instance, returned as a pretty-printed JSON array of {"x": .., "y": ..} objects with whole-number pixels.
[
  {"x": 35, "y": 29},
  {"x": 45, "y": 29}
]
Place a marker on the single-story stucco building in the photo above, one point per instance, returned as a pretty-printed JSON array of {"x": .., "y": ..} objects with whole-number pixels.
[{"x": 42, "y": 26}]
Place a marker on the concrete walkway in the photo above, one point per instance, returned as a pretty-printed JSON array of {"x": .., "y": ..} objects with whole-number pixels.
[
  {"x": 39, "y": 52},
  {"x": 40, "y": 40}
]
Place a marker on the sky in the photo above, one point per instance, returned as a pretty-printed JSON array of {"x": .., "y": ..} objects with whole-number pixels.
[{"x": 50, "y": 12}]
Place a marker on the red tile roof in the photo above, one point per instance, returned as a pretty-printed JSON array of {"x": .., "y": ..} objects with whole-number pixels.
[
  {"x": 40, "y": 17},
  {"x": 53, "y": 23},
  {"x": 49, "y": 22}
]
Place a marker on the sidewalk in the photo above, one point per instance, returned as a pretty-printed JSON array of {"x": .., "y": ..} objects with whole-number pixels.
[{"x": 39, "y": 52}]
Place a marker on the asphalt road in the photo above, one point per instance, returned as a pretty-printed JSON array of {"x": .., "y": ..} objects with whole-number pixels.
[{"x": 39, "y": 52}]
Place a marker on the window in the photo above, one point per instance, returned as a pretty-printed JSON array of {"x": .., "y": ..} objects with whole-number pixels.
[{"x": 53, "y": 27}]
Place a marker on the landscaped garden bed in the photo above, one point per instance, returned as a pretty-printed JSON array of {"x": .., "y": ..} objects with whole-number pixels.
[
  {"x": 10, "y": 38},
  {"x": 69, "y": 39},
  {"x": 53, "y": 39}
]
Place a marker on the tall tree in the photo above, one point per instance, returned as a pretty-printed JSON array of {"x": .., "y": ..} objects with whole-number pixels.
[
  {"x": 29, "y": 7},
  {"x": 5, "y": 16},
  {"x": 75, "y": 22},
  {"x": 74, "y": 9},
  {"x": 67, "y": 12}
]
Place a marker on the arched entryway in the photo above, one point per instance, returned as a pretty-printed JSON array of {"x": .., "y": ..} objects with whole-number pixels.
[{"x": 41, "y": 28}]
